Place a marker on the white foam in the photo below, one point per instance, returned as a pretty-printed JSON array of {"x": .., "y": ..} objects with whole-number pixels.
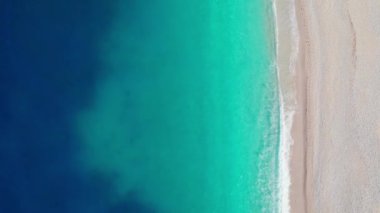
[{"x": 286, "y": 112}]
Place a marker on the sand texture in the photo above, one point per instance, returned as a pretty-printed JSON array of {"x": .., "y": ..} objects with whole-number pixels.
[{"x": 335, "y": 159}]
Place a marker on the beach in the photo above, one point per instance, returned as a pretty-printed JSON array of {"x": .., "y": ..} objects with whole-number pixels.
[{"x": 334, "y": 155}]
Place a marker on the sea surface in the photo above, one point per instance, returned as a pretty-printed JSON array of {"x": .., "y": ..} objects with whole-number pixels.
[{"x": 138, "y": 106}]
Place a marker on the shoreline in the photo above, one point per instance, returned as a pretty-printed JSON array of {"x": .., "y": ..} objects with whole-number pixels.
[
  {"x": 287, "y": 51},
  {"x": 299, "y": 82},
  {"x": 292, "y": 82},
  {"x": 284, "y": 176}
]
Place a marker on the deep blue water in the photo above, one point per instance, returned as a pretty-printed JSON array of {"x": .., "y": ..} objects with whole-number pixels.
[{"x": 48, "y": 68}]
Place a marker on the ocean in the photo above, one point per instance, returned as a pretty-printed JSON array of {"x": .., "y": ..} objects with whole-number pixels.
[{"x": 129, "y": 106}]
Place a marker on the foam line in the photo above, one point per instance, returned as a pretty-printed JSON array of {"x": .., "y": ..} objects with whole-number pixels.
[{"x": 286, "y": 112}]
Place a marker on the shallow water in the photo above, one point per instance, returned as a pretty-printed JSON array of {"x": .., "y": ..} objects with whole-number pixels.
[{"x": 185, "y": 118}]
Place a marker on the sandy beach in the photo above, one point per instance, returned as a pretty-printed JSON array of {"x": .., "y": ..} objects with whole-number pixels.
[{"x": 334, "y": 91}]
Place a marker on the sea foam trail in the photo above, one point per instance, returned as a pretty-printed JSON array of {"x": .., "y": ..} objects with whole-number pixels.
[
  {"x": 287, "y": 102},
  {"x": 284, "y": 177}
]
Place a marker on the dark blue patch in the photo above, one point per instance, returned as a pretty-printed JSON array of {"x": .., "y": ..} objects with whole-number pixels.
[
  {"x": 132, "y": 204},
  {"x": 48, "y": 69}
]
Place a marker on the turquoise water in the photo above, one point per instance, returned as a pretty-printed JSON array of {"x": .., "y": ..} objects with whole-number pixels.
[{"x": 185, "y": 116}]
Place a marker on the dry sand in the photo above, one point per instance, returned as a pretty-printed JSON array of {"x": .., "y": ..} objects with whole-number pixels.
[{"x": 335, "y": 159}]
